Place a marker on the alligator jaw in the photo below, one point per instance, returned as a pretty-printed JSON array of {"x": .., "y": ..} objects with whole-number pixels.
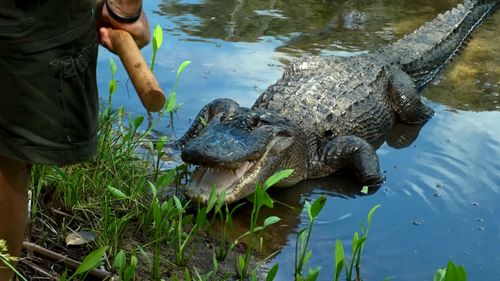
[{"x": 205, "y": 178}]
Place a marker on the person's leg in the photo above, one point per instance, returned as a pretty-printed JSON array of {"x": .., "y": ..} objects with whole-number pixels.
[{"x": 14, "y": 176}]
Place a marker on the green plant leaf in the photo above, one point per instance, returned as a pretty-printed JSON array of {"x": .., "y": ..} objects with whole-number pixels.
[
  {"x": 271, "y": 274},
  {"x": 307, "y": 257},
  {"x": 138, "y": 121},
  {"x": 161, "y": 143},
  {"x": 212, "y": 198},
  {"x": 166, "y": 206},
  {"x": 370, "y": 214},
  {"x": 277, "y": 177},
  {"x": 339, "y": 259},
  {"x": 440, "y": 274},
  {"x": 201, "y": 217},
  {"x": 253, "y": 276},
  {"x": 64, "y": 276},
  {"x": 93, "y": 260},
  {"x": 181, "y": 68},
  {"x": 120, "y": 260},
  {"x": 133, "y": 260},
  {"x": 266, "y": 200},
  {"x": 112, "y": 65},
  {"x": 203, "y": 121},
  {"x": 365, "y": 189},
  {"x": 313, "y": 274},
  {"x": 178, "y": 204},
  {"x": 118, "y": 194},
  {"x": 129, "y": 273},
  {"x": 355, "y": 239},
  {"x": 112, "y": 86},
  {"x": 187, "y": 276},
  {"x": 166, "y": 179},
  {"x": 153, "y": 188},
  {"x": 157, "y": 37},
  {"x": 451, "y": 272},
  {"x": 454, "y": 273},
  {"x": 241, "y": 262},
  {"x": 215, "y": 263},
  {"x": 271, "y": 220},
  {"x": 156, "y": 212},
  {"x": 316, "y": 207},
  {"x": 220, "y": 200},
  {"x": 461, "y": 273},
  {"x": 171, "y": 101}
]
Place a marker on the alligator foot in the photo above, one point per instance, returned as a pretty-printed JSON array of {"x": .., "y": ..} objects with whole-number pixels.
[
  {"x": 355, "y": 153},
  {"x": 405, "y": 99}
]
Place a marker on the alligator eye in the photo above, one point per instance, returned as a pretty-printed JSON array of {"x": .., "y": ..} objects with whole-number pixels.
[
  {"x": 222, "y": 117},
  {"x": 253, "y": 122}
]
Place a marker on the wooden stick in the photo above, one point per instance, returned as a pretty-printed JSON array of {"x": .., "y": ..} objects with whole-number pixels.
[
  {"x": 68, "y": 262},
  {"x": 148, "y": 89}
]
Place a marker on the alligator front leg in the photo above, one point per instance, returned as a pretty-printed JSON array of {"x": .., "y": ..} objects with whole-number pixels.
[
  {"x": 405, "y": 99},
  {"x": 206, "y": 114},
  {"x": 355, "y": 153}
]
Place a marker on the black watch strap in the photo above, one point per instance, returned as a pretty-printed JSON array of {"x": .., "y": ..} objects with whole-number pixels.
[{"x": 123, "y": 19}]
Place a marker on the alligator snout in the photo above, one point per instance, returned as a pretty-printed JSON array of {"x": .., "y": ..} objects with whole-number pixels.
[{"x": 222, "y": 147}]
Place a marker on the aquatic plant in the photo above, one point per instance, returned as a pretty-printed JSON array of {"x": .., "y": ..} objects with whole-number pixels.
[
  {"x": 259, "y": 199},
  {"x": 93, "y": 260},
  {"x": 182, "y": 240},
  {"x": 171, "y": 104},
  {"x": 157, "y": 42},
  {"x": 126, "y": 270},
  {"x": 358, "y": 241},
  {"x": 451, "y": 273},
  {"x": 221, "y": 210},
  {"x": 302, "y": 255}
]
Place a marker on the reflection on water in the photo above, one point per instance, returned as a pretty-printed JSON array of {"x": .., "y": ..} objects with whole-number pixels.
[
  {"x": 303, "y": 26},
  {"x": 472, "y": 82},
  {"x": 443, "y": 180}
]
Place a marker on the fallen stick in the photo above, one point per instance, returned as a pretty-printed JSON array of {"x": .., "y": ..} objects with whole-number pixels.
[
  {"x": 35, "y": 268},
  {"x": 58, "y": 258}
]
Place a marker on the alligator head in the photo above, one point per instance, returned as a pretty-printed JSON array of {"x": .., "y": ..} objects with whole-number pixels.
[{"x": 237, "y": 149}]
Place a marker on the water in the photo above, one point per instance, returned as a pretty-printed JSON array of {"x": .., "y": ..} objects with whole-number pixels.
[{"x": 440, "y": 198}]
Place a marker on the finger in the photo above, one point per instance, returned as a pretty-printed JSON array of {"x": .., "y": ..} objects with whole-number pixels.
[{"x": 105, "y": 39}]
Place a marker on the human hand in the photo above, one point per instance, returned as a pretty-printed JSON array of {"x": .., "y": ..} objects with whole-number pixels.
[{"x": 105, "y": 22}]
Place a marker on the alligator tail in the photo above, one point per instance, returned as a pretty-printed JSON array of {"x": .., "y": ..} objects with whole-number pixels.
[{"x": 423, "y": 53}]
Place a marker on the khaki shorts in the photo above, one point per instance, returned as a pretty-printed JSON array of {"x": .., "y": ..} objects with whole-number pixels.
[{"x": 49, "y": 103}]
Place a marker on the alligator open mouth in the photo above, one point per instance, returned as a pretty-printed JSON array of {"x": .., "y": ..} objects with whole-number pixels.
[
  {"x": 236, "y": 177},
  {"x": 233, "y": 180}
]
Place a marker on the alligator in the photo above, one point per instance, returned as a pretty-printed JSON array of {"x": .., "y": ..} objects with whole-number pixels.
[{"x": 325, "y": 113}]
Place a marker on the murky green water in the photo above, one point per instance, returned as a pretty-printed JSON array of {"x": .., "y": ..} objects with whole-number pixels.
[{"x": 440, "y": 200}]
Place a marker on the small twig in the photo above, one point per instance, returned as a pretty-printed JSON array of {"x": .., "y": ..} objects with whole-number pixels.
[
  {"x": 35, "y": 268},
  {"x": 59, "y": 212},
  {"x": 58, "y": 258}
]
